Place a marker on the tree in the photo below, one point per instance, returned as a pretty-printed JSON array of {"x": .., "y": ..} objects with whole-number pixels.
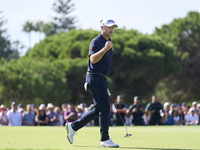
[
  {"x": 39, "y": 27},
  {"x": 5, "y": 45},
  {"x": 63, "y": 22},
  {"x": 139, "y": 61},
  {"x": 28, "y": 27},
  {"x": 184, "y": 34},
  {"x": 49, "y": 29},
  {"x": 6, "y": 49}
]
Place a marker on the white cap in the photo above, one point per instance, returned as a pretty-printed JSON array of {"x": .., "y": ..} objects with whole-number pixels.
[
  {"x": 108, "y": 22},
  {"x": 198, "y": 105},
  {"x": 194, "y": 103},
  {"x": 21, "y": 109},
  {"x": 50, "y": 105},
  {"x": 42, "y": 106},
  {"x": 166, "y": 104},
  {"x": 191, "y": 109}
]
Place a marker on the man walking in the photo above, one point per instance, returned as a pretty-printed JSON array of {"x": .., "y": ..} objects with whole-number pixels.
[{"x": 99, "y": 64}]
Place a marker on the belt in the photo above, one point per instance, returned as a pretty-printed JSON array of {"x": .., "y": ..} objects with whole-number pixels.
[{"x": 105, "y": 76}]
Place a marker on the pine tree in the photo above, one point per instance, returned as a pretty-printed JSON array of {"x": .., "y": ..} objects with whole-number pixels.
[
  {"x": 63, "y": 22},
  {"x": 5, "y": 45}
]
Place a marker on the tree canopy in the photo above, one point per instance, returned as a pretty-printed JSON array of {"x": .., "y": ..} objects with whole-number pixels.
[{"x": 184, "y": 34}]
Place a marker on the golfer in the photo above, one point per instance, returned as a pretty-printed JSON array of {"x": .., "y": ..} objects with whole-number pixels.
[{"x": 100, "y": 56}]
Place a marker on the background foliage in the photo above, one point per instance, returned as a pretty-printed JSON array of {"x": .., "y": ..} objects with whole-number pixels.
[{"x": 165, "y": 63}]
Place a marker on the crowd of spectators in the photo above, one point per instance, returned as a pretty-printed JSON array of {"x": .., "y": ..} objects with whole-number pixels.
[{"x": 154, "y": 113}]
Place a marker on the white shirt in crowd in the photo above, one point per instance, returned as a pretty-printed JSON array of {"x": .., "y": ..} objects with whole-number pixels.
[
  {"x": 190, "y": 118},
  {"x": 14, "y": 118}
]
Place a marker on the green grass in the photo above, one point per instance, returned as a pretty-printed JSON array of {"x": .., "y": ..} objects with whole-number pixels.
[{"x": 88, "y": 138}]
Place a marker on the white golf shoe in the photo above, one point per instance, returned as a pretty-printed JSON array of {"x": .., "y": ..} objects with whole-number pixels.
[
  {"x": 108, "y": 143},
  {"x": 70, "y": 132}
]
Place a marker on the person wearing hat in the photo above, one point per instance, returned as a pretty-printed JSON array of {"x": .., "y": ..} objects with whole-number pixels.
[
  {"x": 121, "y": 106},
  {"x": 193, "y": 117},
  {"x": 53, "y": 117},
  {"x": 194, "y": 105},
  {"x": 14, "y": 116},
  {"x": 99, "y": 64},
  {"x": 3, "y": 116},
  {"x": 41, "y": 118},
  {"x": 137, "y": 110}
]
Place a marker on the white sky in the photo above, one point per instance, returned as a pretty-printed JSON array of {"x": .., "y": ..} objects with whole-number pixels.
[{"x": 142, "y": 15}]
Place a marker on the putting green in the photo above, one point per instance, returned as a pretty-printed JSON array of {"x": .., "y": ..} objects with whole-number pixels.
[{"x": 143, "y": 138}]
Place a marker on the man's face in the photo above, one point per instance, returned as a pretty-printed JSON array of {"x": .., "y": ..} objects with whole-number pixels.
[
  {"x": 107, "y": 31},
  {"x": 13, "y": 107},
  {"x": 119, "y": 100},
  {"x": 154, "y": 99}
]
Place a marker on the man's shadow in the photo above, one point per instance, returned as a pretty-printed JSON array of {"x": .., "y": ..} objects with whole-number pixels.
[{"x": 143, "y": 148}]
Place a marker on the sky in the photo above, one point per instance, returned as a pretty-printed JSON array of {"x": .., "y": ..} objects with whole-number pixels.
[{"x": 141, "y": 15}]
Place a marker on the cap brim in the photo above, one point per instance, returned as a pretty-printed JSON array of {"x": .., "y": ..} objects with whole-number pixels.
[{"x": 110, "y": 25}]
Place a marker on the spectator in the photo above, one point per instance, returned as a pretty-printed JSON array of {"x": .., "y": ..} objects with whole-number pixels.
[
  {"x": 154, "y": 107},
  {"x": 53, "y": 117},
  {"x": 137, "y": 110},
  {"x": 181, "y": 115},
  {"x": 175, "y": 117},
  {"x": 80, "y": 110},
  {"x": 19, "y": 106},
  {"x": 168, "y": 119},
  {"x": 21, "y": 111},
  {"x": 70, "y": 115},
  {"x": 194, "y": 105},
  {"x": 193, "y": 118},
  {"x": 166, "y": 106},
  {"x": 3, "y": 116},
  {"x": 64, "y": 108},
  {"x": 122, "y": 110},
  {"x": 28, "y": 117},
  {"x": 41, "y": 118},
  {"x": 183, "y": 107},
  {"x": 34, "y": 109},
  {"x": 198, "y": 109},
  {"x": 60, "y": 116},
  {"x": 14, "y": 116}
]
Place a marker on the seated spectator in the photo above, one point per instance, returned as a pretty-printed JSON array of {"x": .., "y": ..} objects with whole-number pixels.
[
  {"x": 168, "y": 118},
  {"x": 53, "y": 117},
  {"x": 70, "y": 115},
  {"x": 193, "y": 118},
  {"x": 41, "y": 118},
  {"x": 137, "y": 110},
  {"x": 3, "y": 116},
  {"x": 14, "y": 116},
  {"x": 60, "y": 116},
  {"x": 121, "y": 106},
  {"x": 28, "y": 118}
]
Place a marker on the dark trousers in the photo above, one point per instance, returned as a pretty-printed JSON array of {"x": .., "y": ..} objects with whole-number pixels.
[{"x": 97, "y": 86}]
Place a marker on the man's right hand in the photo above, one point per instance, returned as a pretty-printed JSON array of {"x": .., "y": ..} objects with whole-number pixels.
[{"x": 108, "y": 45}]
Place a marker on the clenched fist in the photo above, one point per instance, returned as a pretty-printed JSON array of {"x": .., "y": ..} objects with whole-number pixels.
[{"x": 108, "y": 45}]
